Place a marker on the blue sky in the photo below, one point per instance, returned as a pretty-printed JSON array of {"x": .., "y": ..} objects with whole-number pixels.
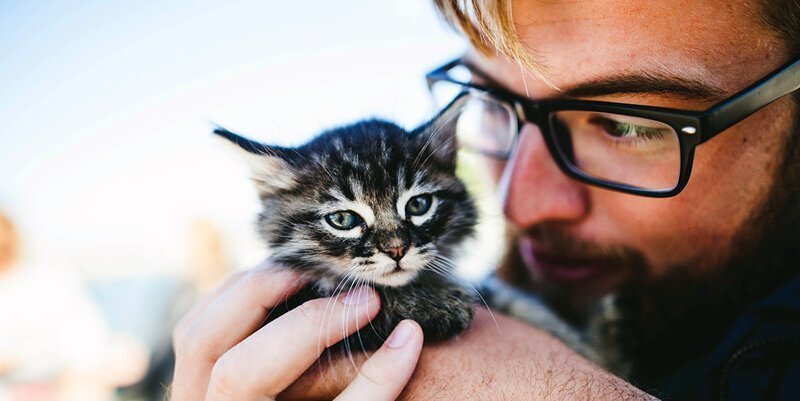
[{"x": 105, "y": 151}]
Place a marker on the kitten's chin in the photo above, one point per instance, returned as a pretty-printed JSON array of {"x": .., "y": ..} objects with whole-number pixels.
[{"x": 396, "y": 278}]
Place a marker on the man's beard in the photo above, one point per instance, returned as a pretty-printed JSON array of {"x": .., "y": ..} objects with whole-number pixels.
[{"x": 679, "y": 317}]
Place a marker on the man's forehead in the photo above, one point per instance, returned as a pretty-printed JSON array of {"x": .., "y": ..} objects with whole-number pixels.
[{"x": 703, "y": 50}]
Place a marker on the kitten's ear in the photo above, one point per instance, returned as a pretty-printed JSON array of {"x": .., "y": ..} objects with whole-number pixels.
[
  {"x": 437, "y": 137},
  {"x": 270, "y": 169}
]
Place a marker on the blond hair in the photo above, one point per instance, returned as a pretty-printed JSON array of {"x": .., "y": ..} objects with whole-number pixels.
[{"x": 489, "y": 26}]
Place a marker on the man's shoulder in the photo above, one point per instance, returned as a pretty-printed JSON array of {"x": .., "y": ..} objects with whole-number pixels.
[{"x": 760, "y": 355}]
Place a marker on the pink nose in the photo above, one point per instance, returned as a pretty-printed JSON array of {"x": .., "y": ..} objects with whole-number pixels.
[{"x": 395, "y": 252}]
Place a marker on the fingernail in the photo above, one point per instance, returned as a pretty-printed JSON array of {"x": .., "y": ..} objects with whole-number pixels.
[
  {"x": 401, "y": 334},
  {"x": 357, "y": 296}
]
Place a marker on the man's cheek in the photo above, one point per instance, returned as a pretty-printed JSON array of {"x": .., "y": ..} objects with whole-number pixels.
[
  {"x": 675, "y": 244},
  {"x": 657, "y": 228}
]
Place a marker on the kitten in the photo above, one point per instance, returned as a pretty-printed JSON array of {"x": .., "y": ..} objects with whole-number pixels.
[{"x": 370, "y": 203}]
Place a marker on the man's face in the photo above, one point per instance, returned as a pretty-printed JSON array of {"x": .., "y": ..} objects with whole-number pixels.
[{"x": 585, "y": 241}]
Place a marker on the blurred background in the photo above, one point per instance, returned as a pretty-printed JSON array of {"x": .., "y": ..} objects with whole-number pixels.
[{"x": 118, "y": 207}]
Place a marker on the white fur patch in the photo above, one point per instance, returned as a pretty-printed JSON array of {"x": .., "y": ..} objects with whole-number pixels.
[
  {"x": 297, "y": 246},
  {"x": 358, "y": 190},
  {"x": 396, "y": 279}
]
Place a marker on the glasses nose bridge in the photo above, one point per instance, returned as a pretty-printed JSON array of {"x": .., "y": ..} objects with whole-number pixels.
[
  {"x": 525, "y": 113},
  {"x": 522, "y": 115},
  {"x": 532, "y": 113}
]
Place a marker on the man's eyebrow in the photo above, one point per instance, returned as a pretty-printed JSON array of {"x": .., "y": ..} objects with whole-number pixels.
[{"x": 648, "y": 83}]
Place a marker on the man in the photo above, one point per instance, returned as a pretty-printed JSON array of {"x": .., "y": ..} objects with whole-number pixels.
[
  {"x": 686, "y": 266},
  {"x": 704, "y": 264}
]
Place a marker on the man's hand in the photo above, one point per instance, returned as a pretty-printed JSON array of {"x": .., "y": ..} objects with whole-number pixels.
[
  {"x": 507, "y": 361},
  {"x": 223, "y": 353}
]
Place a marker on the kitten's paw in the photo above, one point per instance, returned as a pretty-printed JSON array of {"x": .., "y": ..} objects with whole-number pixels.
[
  {"x": 442, "y": 309},
  {"x": 451, "y": 315}
]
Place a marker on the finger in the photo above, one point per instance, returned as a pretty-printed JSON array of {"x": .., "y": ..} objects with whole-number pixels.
[
  {"x": 236, "y": 313},
  {"x": 326, "y": 379},
  {"x": 206, "y": 300},
  {"x": 386, "y": 373},
  {"x": 267, "y": 362}
]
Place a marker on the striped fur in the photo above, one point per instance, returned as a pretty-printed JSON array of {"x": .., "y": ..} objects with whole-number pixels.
[{"x": 371, "y": 168}]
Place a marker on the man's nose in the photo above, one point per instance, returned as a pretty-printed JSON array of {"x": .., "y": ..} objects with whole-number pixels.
[{"x": 536, "y": 190}]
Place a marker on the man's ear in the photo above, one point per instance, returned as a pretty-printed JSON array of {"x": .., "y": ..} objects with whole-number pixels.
[
  {"x": 437, "y": 138},
  {"x": 269, "y": 167}
]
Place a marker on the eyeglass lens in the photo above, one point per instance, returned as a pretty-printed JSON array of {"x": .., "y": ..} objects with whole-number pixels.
[{"x": 618, "y": 148}]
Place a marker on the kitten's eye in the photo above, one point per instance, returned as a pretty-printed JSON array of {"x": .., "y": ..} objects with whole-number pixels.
[
  {"x": 343, "y": 220},
  {"x": 419, "y": 205}
]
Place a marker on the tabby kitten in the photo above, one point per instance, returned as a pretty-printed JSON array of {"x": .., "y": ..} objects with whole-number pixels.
[{"x": 369, "y": 203}]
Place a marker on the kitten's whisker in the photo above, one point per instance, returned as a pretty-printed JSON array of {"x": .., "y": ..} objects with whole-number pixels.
[
  {"x": 354, "y": 278},
  {"x": 436, "y": 131},
  {"x": 428, "y": 142},
  {"x": 328, "y": 304},
  {"x": 345, "y": 317},
  {"x": 335, "y": 293},
  {"x": 358, "y": 332},
  {"x": 345, "y": 321},
  {"x": 386, "y": 297},
  {"x": 436, "y": 150},
  {"x": 371, "y": 326},
  {"x": 285, "y": 297},
  {"x": 438, "y": 128}
]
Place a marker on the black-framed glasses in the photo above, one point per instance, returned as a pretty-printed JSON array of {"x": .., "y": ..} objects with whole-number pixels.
[{"x": 636, "y": 149}]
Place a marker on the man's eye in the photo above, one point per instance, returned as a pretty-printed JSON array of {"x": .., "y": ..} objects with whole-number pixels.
[
  {"x": 343, "y": 220},
  {"x": 419, "y": 205},
  {"x": 620, "y": 129}
]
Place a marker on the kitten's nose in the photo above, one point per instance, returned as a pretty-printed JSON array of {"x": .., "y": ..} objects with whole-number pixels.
[{"x": 394, "y": 252}]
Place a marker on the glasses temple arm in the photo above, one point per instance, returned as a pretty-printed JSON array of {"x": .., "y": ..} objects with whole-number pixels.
[{"x": 741, "y": 105}]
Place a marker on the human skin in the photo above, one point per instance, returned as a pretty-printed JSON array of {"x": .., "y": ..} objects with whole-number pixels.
[
  {"x": 499, "y": 358},
  {"x": 716, "y": 43},
  {"x": 223, "y": 353},
  {"x": 713, "y": 41}
]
